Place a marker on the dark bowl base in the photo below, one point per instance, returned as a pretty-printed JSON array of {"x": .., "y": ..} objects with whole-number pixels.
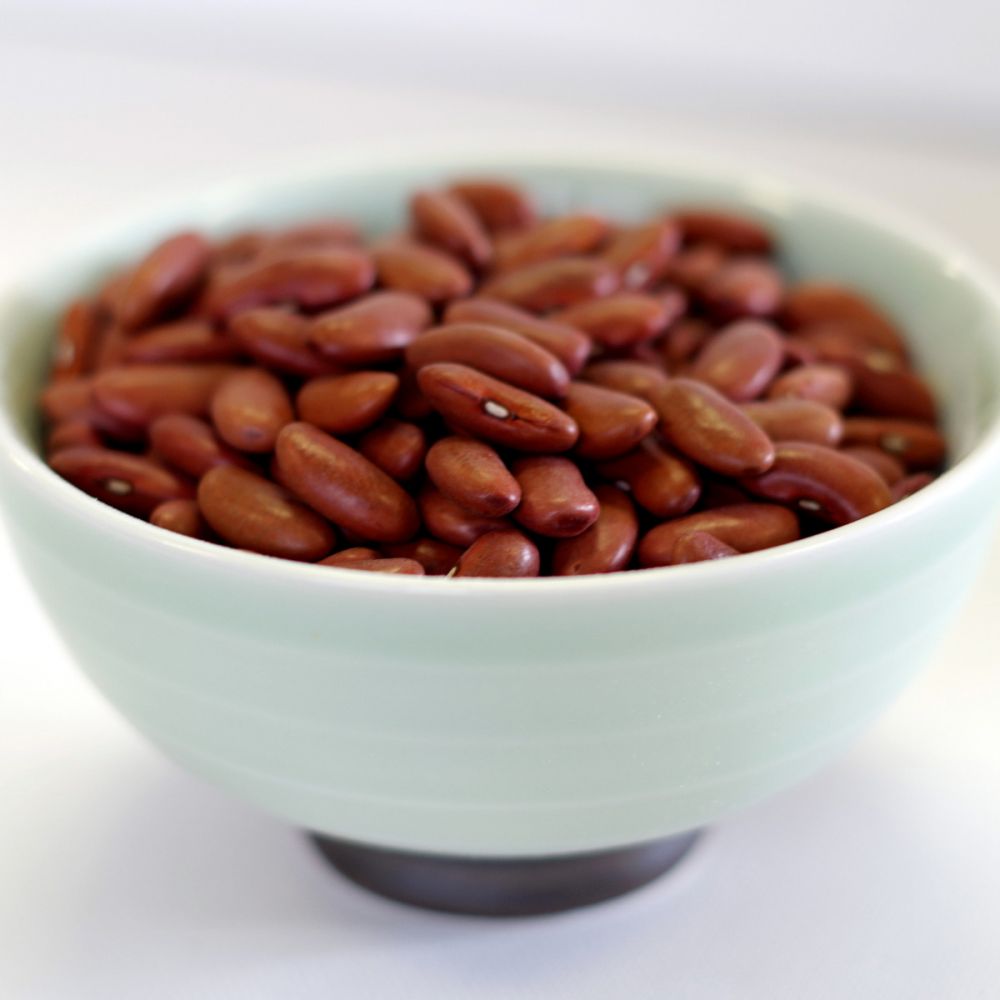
[{"x": 503, "y": 887}]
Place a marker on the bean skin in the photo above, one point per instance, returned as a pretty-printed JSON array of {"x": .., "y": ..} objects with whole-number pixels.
[
  {"x": 249, "y": 408},
  {"x": 620, "y": 320},
  {"x": 354, "y": 554},
  {"x": 279, "y": 339},
  {"x": 346, "y": 404},
  {"x": 446, "y": 221},
  {"x": 555, "y": 501},
  {"x": 700, "y": 546},
  {"x": 400, "y": 567},
  {"x": 830, "y": 484},
  {"x": 702, "y": 424},
  {"x": 437, "y": 558},
  {"x": 76, "y": 342},
  {"x": 499, "y": 206},
  {"x": 889, "y": 468},
  {"x": 611, "y": 423},
  {"x": 839, "y": 344},
  {"x": 253, "y": 513},
  {"x": 190, "y": 445},
  {"x": 488, "y": 408},
  {"x": 449, "y": 522},
  {"x": 186, "y": 341},
  {"x": 659, "y": 481},
  {"x": 734, "y": 233},
  {"x": 568, "y": 236},
  {"x": 822, "y": 383},
  {"x": 180, "y": 516},
  {"x": 473, "y": 475},
  {"x": 641, "y": 254},
  {"x": 373, "y": 330},
  {"x": 396, "y": 447},
  {"x": 797, "y": 420},
  {"x": 742, "y": 360},
  {"x": 607, "y": 545},
  {"x": 421, "y": 270},
  {"x": 504, "y": 553},
  {"x": 343, "y": 485},
  {"x": 744, "y": 287},
  {"x": 554, "y": 284},
  {"x": 744, "y": 527},
  {"x": 919, "y": 447},
  {"x": 901, "y": 394},
  {"x": 635, "y": 378},
  {"x": 169, "y": 276}
]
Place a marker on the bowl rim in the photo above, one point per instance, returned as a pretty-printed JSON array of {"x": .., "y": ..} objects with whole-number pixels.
[{"x": 760, "y": 182}]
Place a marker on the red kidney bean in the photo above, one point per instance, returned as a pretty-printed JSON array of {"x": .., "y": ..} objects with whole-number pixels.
[
  {"x": 249, "y": 408},
  {"x": 797, "y": 352},
  {"x": 735, "y": 233},
  {"x": 555, "y": 501},
  {"x": 495, "y": 410},
  {"x": 316, "y": 234},
  {"x": 190, "y": 445},
  {"x": 745, "y": 527},
  {"x": 889, "y": 468},
  {"x": 700, "y": 546},
  {"x": 570, "y": 346},
  {"x": 184, "y": 341},
  {"x": 411, "y": 403},
  {"x": 635, "y": 378},
  {"x": 827, "y": 483},
  {"x": 449, "y": 522},
  {"x": 499, "y": 206},
  {"x": 495, "y": 351},
  {"x": 694, "y": 267},
  {"x": 444, "y": 220},
  {"x": 744, "y": 287},
  {"x": 683, "y": 341},
  {"x": 137, "y": 395},
  {"x": 918, "y": 446},
  {"x": 702, "y": 424},
  {"x": 568, "y": 236},
  {"x": 838, "y": 344},
  {"x": 620, "y": 320},
  {"x": 76, "y": 342},
  {"x": 345, "y": 404},
  {"x": 473, "y": 475},
  {"x": 396, "y": 447},
  {"x": 402, "y": 567},
  {"x": 902, "y": 394},
  {"x": 373, "y": 330},
  {"x": 909, "y": 485},
  {"x": 70, "y": 433},
  {"x": 279, "y": 339},
  {"x": 607, "y": 545},
  {"x": 814, "y": 302},
  {"x": 344, "y": 556},
  {"x": 180, "y": 516},
  {"x": 421, "y": 270},
  {"x": 343, "y": 485},
  {"x": 641, "y": 254},
  {"x": 168, "y": 277},
  {"x": 821, "y": 383},
  {"x": 554, "y": 284},
  {"x": 437, "y": 558},
  {"x": 741, "y": 360},
  {"x": 611, "y": 423},
  {"x": 797, "y": 420},
  {"x": 659, "y": 481},
  {"x": 310, "y": 279},
  {"x": 109, "y": 351},
  {"x": 253, "y": 513},
  {"x": 68, "y": 398},
  {"x": 131, "y": 483},
  {"x": 499, "y": 553}
]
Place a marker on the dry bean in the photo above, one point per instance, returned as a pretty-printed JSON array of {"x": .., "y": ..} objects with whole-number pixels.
[
  {"x": 137, "y": 395},
  {"x": 902, "y": 394},
  {"x": 499, "y": 553},
  {"x": 743, "y": 286},
  {"x": 168, "y": 277},
  {"x": 184, "y": 341},
  {"x": 190, "y": 445},
  {"x": 555, "y": 501},
  {"x": 741, "y": 360},
  {"x": 822, "y": 383},
  {"x": 611, "y": 423},
  {"x": 279, "y": 339},
  {"x": 344, "y": 556},
  {"x": 659, "y": 481},
  {"x": 621, "y": 320},
  {"x": 402, "y": 567},
  {"x": 734, "y": 233},
  {"x": 76, "y": 342},
  {"x": 909, "y": 485},
  {"x": 797, "y": 420},
  {"x": 838, "y": 344},
  {"x": 396, "y": 447},
  {"x": 607, "y": 545},
  {"x": 421, "y": 270},
  {"x": 889, "y": 468},
  {"x": 180, "y": 516},
  {"x": 554, "y": 284},
  {"x": 919, "y": 447},
  {"x": 815, "y": 302},
  {"x": 446, "y": 221},
  {"x": 642, "y": 254},
  {"x": 71, "y": 433},
  {"x": 694, "y": 267},
  {"x": 473, "y": 475},
  {"x": 249, "y": 408},
  {"x": 499, "y": 206},
  {"x": 437, "y": 558},
  {"x": 700, "y": 546},
  {"x": 569, "y": 236},
  {"x": 449, "y": 522},
  {"x": 683, "y": 341},
  {"x": 635, "y": 378},
  {"x": 345, "y": 404},
  {"x": 373, "y": 330}
]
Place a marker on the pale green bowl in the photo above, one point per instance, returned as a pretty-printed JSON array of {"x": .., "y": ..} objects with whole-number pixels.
[{"x": 517, "y": 717}]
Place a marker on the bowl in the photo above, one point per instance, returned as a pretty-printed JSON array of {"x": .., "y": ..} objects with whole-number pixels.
[{"x": 417, "y": 725}]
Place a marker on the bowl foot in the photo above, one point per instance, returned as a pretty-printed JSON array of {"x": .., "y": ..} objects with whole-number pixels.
[{"x": 504, "y": 887}]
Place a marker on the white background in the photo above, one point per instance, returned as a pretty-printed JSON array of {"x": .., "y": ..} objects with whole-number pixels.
[{"x": 121, "y": 876}]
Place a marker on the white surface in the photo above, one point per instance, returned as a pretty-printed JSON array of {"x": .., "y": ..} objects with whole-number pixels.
[{"x": 120, "y": 876}]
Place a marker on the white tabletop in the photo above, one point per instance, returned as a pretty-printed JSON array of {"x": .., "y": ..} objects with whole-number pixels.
[{"x": 123, "y": 877}]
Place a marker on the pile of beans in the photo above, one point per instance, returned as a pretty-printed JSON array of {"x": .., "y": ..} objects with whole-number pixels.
[{"x": 487, "y": 393}]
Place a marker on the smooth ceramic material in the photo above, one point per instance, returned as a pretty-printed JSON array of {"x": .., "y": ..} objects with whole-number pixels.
[{"x": 517, "y": 717}]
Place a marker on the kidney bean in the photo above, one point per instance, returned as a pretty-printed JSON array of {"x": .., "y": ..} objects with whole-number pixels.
[
  {"x": 345, "y": 404},
  {"x": 316, "y": 234},
  {"x": 180, "y": 516},
  {"x": 841, "y": 345},
  {"x": 918, "y": 446},
  {"x": 499, "y": 206},
  {"x": 437, "y": 558},
  {"x": 279, "y": 339},
  {"x": 570, "y": 346},
  {"x": 310, "y": 279},
  {"x": 702, "y": 424},
  {"x": 821, "y": 383},
  {"x": 659, "y": 481},
  {"x": 68, "y": 398},
  {"x": 373, "y": 330},
  {"x": 495, "y": 351},
  {"x": 554, "y": 284},
  {"x": 797, "y": 420},
  {"x": 70, "y": 433},
  {"x": 889, "y": 468},
  {"x": 743, "y": 287},
  {"x": 611, "y": 423},
  {"x": 568, "y": 236},
  {"x": 137, "y": 395},
  {"x": 620, "y": 320},
  {"x": 253, "y": 513},
  {"x": 830, "y": 484},
  {"x": 396, "y": 447},
  {"x": 683, "y": 341},
  {"x": 445, "y": 220},
  {"x": 607, "y": 545},
  {"x": 797, "y": 352},
  {"x": 249, "y": 408},
  {"x": 76, "y": 341},
  {"x": 109, "y": 351},
  {"x": 745, "y": 527},
  {"x": 635, "y": 378},
  {"x": 184, "y": 341},
  {"x": 190, "y": 445},
  {"x": 411, "y": 404},
  {"x": 816, "y": 302},
  {"x": 343, "y": 485},
  {"x": 555, "y": 501},
  {"x": 909, "y": 485},
  {"x": 404, "y": 567},
  {"x": 169, "y": 276},
  {"x": 692, "y": 268},
  {"x": 499, "y": 553},
  {"x": 450, "y": 522},
  {"x": 473, "y": 475},
  {"x": 422, "y": 270},
  {"x": 729, "y": 230},
  {"x": 741, "y": 360},
  {"x": 700, "y": 546},
  {"x": 131, "y": 483},
  {"x": 344, "y": 556},
  {"x": 717, "y": 491},
  {"x": 902, "y": 394},
  {"x": 499, "y": 412},
  {"x": 641, "y": 254}
]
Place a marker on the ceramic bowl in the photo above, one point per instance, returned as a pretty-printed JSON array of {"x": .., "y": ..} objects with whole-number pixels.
[{"x": 517, "y": 718}]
